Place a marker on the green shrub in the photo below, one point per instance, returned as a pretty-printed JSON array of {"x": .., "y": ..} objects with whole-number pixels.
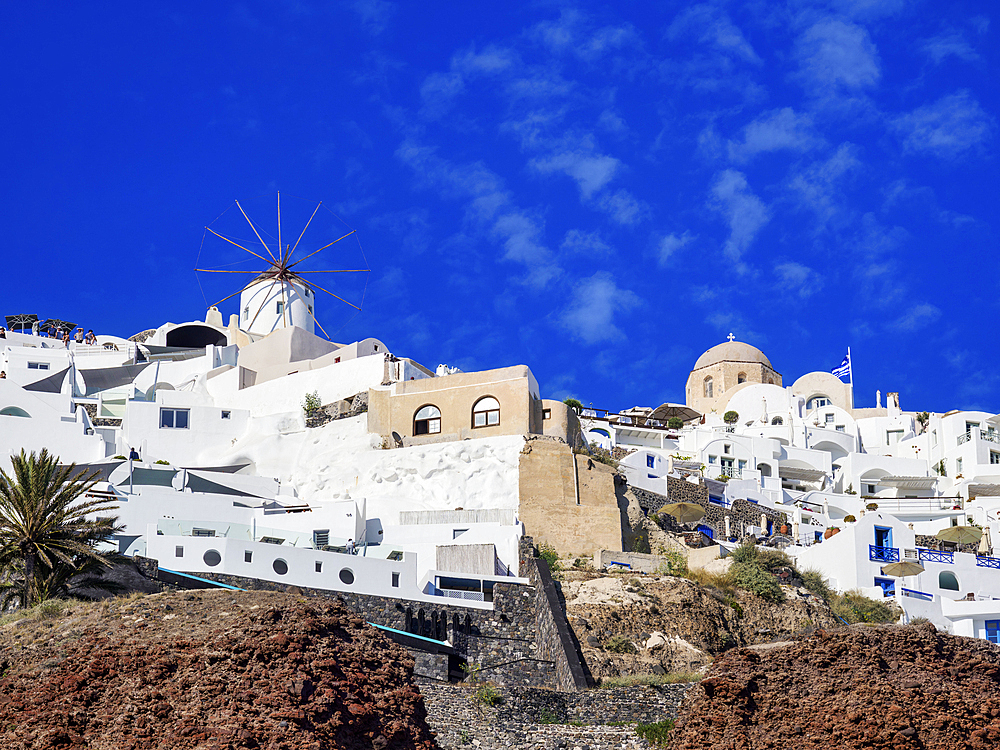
[
  {"x": 731, "y": 417},
  {"x": 120, "y": 458},
  {"x": 849, "y": 518},
  {"x": 871, "y": 506},
  {"x": 813, "y": 581},
  {"x": 312, "y": 403},
  {"x": 755, "y": 580},
  {"x": 161, "y": 462},
  {"x": 674, "y": 564},
  {"x": 619, "y": 644},
  {"x": 656, "y": 733},
  {"x": 488, "y": 694},
  {"x": 746, "y": 554},
  {"x": 675, "y": 423},
  {"x": 573, "y": 404},
  {"x": 855, "y": 607},
  {"x": 548, "y": 553},
  {"x": 772, "y": 559}
]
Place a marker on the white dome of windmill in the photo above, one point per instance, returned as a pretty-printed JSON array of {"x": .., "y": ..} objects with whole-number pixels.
[{"x": 282, "y": 293}]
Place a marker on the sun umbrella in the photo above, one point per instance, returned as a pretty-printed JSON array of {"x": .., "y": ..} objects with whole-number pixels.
[
  {"x": 20, "y": 322},
  {"x": 960, "y": 534},
  {"x": 902, "y": 569},
  {"x": 663, "y": 412},
  {"x": 985, "y": 548},
  {"x": 684, "y": 512}
]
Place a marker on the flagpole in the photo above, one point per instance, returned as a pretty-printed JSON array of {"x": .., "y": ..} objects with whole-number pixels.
[{"x": 850, "y": 375}]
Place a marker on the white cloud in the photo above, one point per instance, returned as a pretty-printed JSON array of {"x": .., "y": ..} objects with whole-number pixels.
[
  {"x": 671, "y": 244},
  {"x": 489, "y": 206},
  {"x": 951, "y": 44},
  {"x": 779, "y": 129},
  {"x": 591, "y": 171},
  {"x": 919, "y": 316},
  {"x": 374, "y": 14},
  {"x": 573, "y": 34},
  {"x": 587, "y": 243},
  {"x": 438, "y": 92},
  {"x": 623, "y": 207},
  {"x": 590, "y": 317},
  {"x": 715, "y": 29},
  {"x": 816, "y": 186},
  {"x": 947, "y": 128},
  {"x": 798, "y": 278},
  {"x": 834, "y": 55},
  {"x": 744, "y": 211}
]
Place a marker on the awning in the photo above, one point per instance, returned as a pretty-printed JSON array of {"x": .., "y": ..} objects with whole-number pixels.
[
  {"x": 909, "y": 483},
  {"x": 984, "y": 490},
  {"x": 803, "y": 475},
  {"x": 51, "y": 384},
  {"x": 104, "y": 378}
]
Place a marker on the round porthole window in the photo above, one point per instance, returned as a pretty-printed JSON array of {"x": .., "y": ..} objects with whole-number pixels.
[
  {"x": 347, "y": 576},
  {"x": 212, "y": 558},
  {"x": 280, "y": 567}
]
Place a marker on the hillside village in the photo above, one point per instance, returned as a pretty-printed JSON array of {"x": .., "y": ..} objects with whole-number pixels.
[{"x": 256, "y": 454}]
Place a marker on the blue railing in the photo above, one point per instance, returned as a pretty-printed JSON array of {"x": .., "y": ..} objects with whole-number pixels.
[
  {"x": 918, "y": 594},
  {"x": 934, "y": 555},
  {"x": 883, "y": 554},
  {"x": 719, "y": 501},
  {"x": 987, "y": 562}
]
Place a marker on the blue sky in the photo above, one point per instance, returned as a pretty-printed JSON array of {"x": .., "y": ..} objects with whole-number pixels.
[{"x": 600, "y": 191}]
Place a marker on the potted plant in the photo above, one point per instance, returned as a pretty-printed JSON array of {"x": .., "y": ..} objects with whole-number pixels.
[
  {"x": 849, "y": 518},
  {"x": 831, "y": 531}
]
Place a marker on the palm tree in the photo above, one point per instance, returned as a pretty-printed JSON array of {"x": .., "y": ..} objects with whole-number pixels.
[{"x": 45, "y": 536}]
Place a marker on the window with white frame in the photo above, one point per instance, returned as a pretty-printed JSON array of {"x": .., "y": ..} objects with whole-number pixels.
[
  {"x": 279, "y": 307},
  {"x": 958, "y": 466},
  {"x": 227, "y": 415},
  {"x": 817, "y": 401},
  {"x": 994, "y": 457},
  {"x": 486, "y": 412},
  {"x": 713, "y": 459},
  {"x": 38, "y": 365},
  {"x": 708, "y": 387},
  {"x": 427, "y": 420},
  {"x": 650, "y": 461},
  {"x": 175, "y": 419},
  {"x": 829, "y": 418},
  {"x": 841, "y": 428},
  {"x": 893, "y": 436}
]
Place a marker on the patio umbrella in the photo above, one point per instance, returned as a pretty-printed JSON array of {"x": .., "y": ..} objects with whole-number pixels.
[
  {"x": 960, "y": 534},
  {"x": 20, "y": 322},
  {"x": 663, "y": 412},
  {"x": 985, "y": 548},
  {"x": 684, "y": 512},
  {"x": 902, "y": 569},
  {"x": 54, "y": 323}
]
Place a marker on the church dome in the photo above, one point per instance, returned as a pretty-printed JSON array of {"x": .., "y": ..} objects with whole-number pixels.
[{"x": 732, "y": 351}]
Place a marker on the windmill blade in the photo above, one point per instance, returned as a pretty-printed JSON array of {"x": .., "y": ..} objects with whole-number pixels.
[
  {"x": 257, "y": 233},
  {"x": 323, "y": 248},
  {"x": 239, "y": 245},
  {"x": 283, "y": 259},
  {"x": 322, "y": 329},
  {"x": 216, "y": 270},
  {"x": 352, "y": 270},
  {"x": 304, "y": 230},
  {"x": 337, "y": 296},
  {"x": 229, "y": 297},
  {"x": 267, "y": 294}
]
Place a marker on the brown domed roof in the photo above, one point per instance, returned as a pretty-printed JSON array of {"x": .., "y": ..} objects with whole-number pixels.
[{"x": 732, "y": 351}]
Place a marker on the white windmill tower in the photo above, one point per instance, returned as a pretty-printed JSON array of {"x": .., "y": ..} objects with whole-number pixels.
[{"x": 283, "y": 293}]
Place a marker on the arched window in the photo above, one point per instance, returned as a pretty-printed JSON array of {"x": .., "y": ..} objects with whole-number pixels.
[
  {"x": 817, "y": 401},
  {"x": 486, "y": 412},
  {"x": 427, "y": 421},
  {"x": 708, "y": 387},
  {"x": 13, "y": 411},
  {"x": 947, "y": 580},
  {"x": 765, "y": 470},
  {"x": 777, "y": 420},
  {"x": 741, "y": 378}
]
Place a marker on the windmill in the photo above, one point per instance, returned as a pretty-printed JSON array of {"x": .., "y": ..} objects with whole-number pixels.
[{"x": 282, "y": 287}]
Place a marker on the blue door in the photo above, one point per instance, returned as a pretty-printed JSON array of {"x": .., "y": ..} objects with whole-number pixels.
[
  {"x": 883, "y": 536},
  {"x": 706, "y": 530}
]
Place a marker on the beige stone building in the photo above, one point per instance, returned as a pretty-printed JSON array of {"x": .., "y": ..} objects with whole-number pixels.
[
  {"x": 724, "y": 367},
  {"x": 467, "y": 405}
]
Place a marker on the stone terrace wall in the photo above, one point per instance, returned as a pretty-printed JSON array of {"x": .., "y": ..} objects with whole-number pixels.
[
  {"x": 519, "y": 642},
  {"x": 556, "y": 641},
  {"x": 526, "y": 717}
]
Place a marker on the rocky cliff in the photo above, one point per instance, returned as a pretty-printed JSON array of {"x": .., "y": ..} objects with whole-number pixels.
[{"x": 206, "y": 670}]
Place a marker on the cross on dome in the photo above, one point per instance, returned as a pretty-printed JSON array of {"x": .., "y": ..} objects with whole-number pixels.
[{"x": 731, "y": 337}]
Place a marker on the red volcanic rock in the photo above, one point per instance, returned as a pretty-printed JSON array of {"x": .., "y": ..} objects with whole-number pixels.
[
  {"x": 858, "y": 687},
  {"x": 208, "y": 670}
]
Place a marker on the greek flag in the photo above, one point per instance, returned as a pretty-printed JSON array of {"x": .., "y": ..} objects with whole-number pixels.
[{"x": 844, "y": 368}]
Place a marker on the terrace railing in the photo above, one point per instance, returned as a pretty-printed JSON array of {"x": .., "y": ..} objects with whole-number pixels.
[
  {"x": 883, "y": 554},
  {"x": 987, "y": 562},
  {"x": 937, "y": 556},
  {"x": 918, "y": 594}
]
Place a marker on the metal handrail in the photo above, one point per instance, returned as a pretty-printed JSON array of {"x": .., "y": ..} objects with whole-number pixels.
[
  {"x": 883, "y": 554},
  {"x": 938, "y": 556}
]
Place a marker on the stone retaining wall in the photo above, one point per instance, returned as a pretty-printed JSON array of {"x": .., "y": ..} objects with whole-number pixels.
[
  {"x": 348, "y": 407},
  {"x": 601, "y": 718}
]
